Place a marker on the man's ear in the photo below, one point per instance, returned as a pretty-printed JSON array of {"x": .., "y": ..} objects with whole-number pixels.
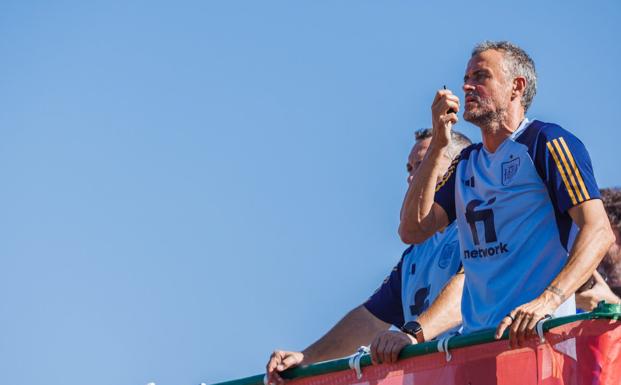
[{"x": 519, "y": 86}]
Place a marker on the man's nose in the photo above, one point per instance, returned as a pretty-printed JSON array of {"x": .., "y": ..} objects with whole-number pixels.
[
  {"x": 410, "y": 178},
  {"x": 467, "y": 87}
]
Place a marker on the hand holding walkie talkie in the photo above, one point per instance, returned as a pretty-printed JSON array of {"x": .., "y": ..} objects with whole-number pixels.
[
  {"x": 444, "y": 114},
  {"x": 450, "y": 111}
]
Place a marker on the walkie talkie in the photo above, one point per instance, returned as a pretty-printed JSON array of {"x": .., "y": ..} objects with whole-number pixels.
[{"x": 450, "y": 111}]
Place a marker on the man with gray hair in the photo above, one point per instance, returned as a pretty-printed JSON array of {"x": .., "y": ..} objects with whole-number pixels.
[{"x": 514, "y": 197}]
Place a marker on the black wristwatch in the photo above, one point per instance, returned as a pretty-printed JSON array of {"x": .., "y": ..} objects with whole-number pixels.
[{"x": 414, "y": 329}]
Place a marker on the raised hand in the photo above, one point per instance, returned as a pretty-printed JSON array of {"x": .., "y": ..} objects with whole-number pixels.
[{"x": 443, "y": 115}]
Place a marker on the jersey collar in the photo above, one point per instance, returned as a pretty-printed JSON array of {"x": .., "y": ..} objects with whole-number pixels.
[{"x": 520, "y": 129}]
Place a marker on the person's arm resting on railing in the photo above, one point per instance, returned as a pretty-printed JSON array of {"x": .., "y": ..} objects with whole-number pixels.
[
  {"x": 593, "y": 240},
  {"x": 354, "y": 330}
]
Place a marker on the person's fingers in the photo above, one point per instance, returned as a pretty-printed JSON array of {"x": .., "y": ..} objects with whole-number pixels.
[
  {"x": 397, "y": 347},
  {"x": 519, "y": 316},
  {"x": 523, "y": 329},
  {"x": 452, "y": 105},
  {"x": 533, "y": 323},
  {"x": 381, "y": 348},
  {"x": 502, "y": 326},
  {"x": 452, "y": 118},
  {"x": 442, "y": 94},
  {"x": 394, "y": 351},
  {"x": 273, "y": 362},
  {"x": 513, "y": 330},
  {"x": 452, "y": 97},
  {"x": 443, "y": 97},
  {"x": 275, "y": 379},
  {"x": 289, "y": 361},
  {"x": 447, "y": 111},
  {"x": 444, "y": 106},
  {"x": 373, "y": 349},
  {"x": 385, "y": 351}
]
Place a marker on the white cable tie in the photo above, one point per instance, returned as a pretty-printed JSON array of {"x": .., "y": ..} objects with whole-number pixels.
[
  {"x": 539, "y": 328},
  {"x": 351, "y": 361},
  {"x": 443, "y": 347},
  {"x": 354, "y": 360}
]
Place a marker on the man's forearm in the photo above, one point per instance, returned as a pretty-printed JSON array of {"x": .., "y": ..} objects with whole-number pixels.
[
  {"x": 416, "y": 222},
  {"x": 357, "y": 328},
  {"x": 591, "y": 244},
  {"x": 445, "y": 312}
]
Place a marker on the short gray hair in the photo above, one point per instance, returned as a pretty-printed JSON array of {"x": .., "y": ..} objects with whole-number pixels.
[
  {"x": 459, "y": 141},
  {"x": 516, "y": 63}
]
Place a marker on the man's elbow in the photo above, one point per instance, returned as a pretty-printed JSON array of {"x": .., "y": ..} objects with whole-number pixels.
[
  {"x": 605, "y": 237},
  {"x": 609, "y": 237},
  {"x": 412, "y": 234}
]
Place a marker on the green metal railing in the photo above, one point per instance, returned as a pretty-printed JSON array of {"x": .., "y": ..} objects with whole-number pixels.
[{"x": 603, "y": 311}]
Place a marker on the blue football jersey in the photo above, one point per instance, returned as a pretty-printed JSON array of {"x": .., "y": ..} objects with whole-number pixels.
[
  {"x": 511, "y": 209},
  {"x": 417, "y": 279}
]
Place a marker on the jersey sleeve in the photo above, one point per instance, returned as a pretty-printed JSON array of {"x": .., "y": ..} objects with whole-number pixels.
[
  {"x": 385, "y": 303},
  {"x": 460, "y": 269},
  {"x": 567, "y": 170},
  {"x": 445, "y": 191}
]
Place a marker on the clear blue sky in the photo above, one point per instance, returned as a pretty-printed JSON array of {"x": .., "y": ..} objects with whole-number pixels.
[{"x": 188, "y": 185}]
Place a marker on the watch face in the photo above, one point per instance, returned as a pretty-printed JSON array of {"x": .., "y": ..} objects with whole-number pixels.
[
  {"x": 411, "y": 327},
  {"x": 414, "y": 329}
]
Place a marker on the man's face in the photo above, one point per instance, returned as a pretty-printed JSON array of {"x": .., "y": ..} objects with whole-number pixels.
[
  {"x": 416, "y": 158},
  {"x": 488, "y": 92}
]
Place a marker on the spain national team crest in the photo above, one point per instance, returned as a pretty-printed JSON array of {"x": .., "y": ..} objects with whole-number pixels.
[
  {"x": 509, "y": 170},
  {"x": 447, "y": 254}
]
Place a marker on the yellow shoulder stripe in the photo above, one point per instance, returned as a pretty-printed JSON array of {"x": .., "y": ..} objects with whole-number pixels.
[
  {"x": 576, "y": 170},
  {"x": 562, "y": 172},
  {"x": 568, "y": 169}
]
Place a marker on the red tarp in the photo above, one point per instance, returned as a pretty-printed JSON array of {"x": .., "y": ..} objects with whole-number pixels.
[{"x": 578, "y": 353}]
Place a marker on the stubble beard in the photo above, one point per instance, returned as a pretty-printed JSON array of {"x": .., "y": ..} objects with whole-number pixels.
[{"x": 485, "y": 117}]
